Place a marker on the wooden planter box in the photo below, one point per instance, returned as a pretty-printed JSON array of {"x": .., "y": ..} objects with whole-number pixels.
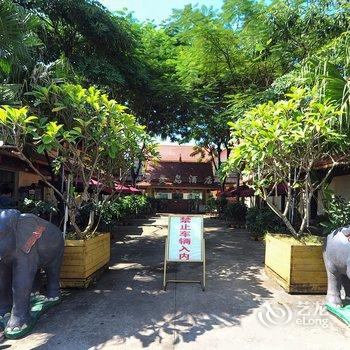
[
  {"x": 84, "y": 261},
  {"x": 297, "y": 268}
]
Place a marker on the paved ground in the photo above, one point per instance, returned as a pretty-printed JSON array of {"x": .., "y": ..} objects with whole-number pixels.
[{"x": 241, "y": 308}]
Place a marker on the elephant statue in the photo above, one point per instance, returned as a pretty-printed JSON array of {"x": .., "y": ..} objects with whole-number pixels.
[
  {"x": 27, "y": 243},
  {"x": 336, "y": 257}
]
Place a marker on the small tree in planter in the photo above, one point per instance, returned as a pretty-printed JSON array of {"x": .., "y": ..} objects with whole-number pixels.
[
  {"x": 92, "y": 138},
  {"x": 93, "y": 141},
  {"x": 280, "y": 143}
]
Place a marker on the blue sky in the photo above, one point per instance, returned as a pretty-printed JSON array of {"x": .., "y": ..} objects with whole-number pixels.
[{"x": 156, "y": 10}]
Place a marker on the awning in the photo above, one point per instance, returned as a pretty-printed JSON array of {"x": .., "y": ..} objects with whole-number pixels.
[
  {"x": 124, "y": 189},
  {"x": 240, "y": 191},
  {"x": 246, "y": 191},
  {"x": 93, "y": 184}
]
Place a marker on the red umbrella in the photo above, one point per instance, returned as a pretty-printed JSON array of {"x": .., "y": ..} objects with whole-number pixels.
[
  {"x": 135, "y": 190},
  {"x": 94, "y": 184},
  {"x": 241, "y": 191},
  {"x": 245, "y": 191},
  {"x": 126, "y": 189}
]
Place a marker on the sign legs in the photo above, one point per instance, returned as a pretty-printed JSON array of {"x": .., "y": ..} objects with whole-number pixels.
[
  {"x": 203, "y": 255},
  {"x": 165, "y": 264},
  {"x": 165, "y": 281}
]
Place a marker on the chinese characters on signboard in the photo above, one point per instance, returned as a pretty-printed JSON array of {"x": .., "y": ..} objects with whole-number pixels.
[
  {"x": 185, "y": 238},
  {"x": 192, "y": 179}
]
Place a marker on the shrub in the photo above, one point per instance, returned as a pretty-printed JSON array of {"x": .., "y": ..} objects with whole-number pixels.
[
  {"x": 124, "y": 208},
  {"x": 236, "y": 211},
  {"x": 262, "y": 220},
  {"x": 221, "y": 204},
  {"x": 337, "y": 213},
  {"x": 40, "y": 208},
  {"x": 211, "y": 204}
]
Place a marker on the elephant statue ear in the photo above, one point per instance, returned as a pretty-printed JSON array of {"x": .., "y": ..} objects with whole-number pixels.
[{"x": 29, "y": 230}]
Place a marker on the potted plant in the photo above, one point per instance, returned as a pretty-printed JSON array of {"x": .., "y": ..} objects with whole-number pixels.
[
  {"x": 89, "y": 142},
  {"x": 277, "y": 145}
]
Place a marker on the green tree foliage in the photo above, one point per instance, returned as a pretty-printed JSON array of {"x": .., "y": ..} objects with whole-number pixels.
[
  {"x": 162, "y": 104},
  {"x": 130, "y": 60},
  {"x": 99, "y": 45},
  {"x": 209, "y": 65},
  {"x": 16, "y": 37},
  {"x": 188, "y": 77},
  {"x": 89, "y": 136},
  {"x": 299, "y": 28},
  {"x": 337, "y": 211},
  {"x": 281, "y": 143}
]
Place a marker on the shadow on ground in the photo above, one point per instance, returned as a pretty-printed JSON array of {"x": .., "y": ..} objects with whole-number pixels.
[{"x": 128, "y": 305}]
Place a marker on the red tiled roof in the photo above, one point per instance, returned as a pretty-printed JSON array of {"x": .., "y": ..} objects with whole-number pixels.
[
  {"x": 179, "y": 174},
  {"x": 173, "y": 153}
]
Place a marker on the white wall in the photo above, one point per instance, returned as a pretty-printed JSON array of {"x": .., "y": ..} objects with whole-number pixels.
[{"x": 340, "y": 185}]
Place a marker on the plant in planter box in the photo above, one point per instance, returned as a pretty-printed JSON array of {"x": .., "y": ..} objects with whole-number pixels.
[
  {"x": 279, "y": 144},
  {"x": 87, "y": 136},
  {"x": 89, "y": 141},
  {"x": 211, "y": 205}
]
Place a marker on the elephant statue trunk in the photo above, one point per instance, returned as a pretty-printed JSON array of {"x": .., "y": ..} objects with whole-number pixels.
[{"x": 27, "y": 243}]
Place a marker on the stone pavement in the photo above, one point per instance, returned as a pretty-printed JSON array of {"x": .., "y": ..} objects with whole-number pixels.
[{"x": 241, "y": 308}]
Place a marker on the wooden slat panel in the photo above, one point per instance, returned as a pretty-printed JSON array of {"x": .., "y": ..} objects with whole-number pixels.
[
  {"x": 308, "y": 266},
  {"x": 73, "y": 256},
  {"x": 98, "y": 246},
  {"x": 305, "y": 264},
  {"x": 320, "y": 288},
  {"x": 82, "y": 261},
  {"x": 277, "y": 257},
  {"x": 309, "y": 276},
  {"x": 101, "y": 238},
  {"x": 82, "y": 282},
  {"x": 93, "y": 259},
  {"x": 78, "y": 249},
  {"x": 78, "y": 271},
  {"x": 74, "y": 243},
  {"x": 96, "y": 267}
]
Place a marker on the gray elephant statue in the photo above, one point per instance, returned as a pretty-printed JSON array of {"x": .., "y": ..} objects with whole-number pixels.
[
  {"x": 336, "y": 257},
  {"x": 27, "y": 243}
]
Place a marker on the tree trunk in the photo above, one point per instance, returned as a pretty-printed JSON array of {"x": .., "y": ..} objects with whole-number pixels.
[{"x": 284, "y": 219}]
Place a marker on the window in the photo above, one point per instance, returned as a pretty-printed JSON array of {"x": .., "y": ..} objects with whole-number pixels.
[
  {"x": 193, "y": 195},
  {"x": 162, "y": 195}
]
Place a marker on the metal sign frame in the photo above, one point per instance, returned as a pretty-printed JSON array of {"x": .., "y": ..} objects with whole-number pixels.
[{"x": 166, "y": 257}]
